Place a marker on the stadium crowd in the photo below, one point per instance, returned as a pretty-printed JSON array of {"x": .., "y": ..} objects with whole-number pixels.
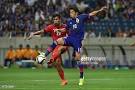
[{"x": 19, "y": 17}]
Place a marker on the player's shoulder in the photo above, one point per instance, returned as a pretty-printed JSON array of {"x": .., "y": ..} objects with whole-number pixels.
[
  {"x": 81, "y": 15},
  {"x": 50, "y": 26},
  {"x": 69, "y": 19}
]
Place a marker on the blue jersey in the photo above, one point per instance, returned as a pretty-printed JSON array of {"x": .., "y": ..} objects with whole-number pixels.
[{"x": 76, "y": 26}]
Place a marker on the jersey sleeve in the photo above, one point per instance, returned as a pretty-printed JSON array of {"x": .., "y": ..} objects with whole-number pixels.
[
  {"x": 48, "y": 29},
  {"x": 85, "y": 16}
]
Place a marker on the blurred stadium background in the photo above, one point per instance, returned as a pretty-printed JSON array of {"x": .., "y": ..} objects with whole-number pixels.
[{"x": 107, "y": 35}]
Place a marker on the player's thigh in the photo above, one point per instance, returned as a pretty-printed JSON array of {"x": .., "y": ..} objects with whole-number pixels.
[
  {"x": 69, "y": 41},
  {"x": 55, "y": 51},
  {"x": 58, "y": 49}
]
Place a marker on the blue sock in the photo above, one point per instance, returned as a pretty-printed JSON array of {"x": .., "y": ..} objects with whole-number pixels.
[
  {"x": 50, "y": 48},
  {"x": 81, "y": 69},
  {"x": 81, "y": 74},
  {"x": 53, "y": 45},
  {"x": 47, "y": 52}
]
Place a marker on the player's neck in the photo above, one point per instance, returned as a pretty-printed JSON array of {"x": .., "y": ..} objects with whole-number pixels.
[
  {"x": 74, "y": 17},
  {"x": 57, "y": 25}
]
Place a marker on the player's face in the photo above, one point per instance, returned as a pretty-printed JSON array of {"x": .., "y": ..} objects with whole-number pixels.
[
  {"x": 73, "y": 14},
  {"x": 56, "y": 20}
]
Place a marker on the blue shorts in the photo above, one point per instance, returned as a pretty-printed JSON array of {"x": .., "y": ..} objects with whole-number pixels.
[{"x": 74, "y": 42}]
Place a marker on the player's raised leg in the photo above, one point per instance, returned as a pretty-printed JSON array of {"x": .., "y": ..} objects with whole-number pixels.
[
  {"x": 60, "y": 50},
  {"x": 50, "y": 49}
]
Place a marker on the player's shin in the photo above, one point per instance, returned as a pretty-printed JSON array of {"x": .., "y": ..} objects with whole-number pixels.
[{"x": 81, "y": 66}]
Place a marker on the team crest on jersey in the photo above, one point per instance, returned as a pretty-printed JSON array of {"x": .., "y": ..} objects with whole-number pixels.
[{"x": 77, "y": 20}]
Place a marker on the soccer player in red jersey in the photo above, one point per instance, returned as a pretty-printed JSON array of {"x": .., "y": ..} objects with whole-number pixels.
[{"x": 53, "y": 29}]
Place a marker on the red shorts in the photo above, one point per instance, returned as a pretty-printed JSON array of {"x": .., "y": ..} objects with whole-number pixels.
[{"x": 56, "y": 56}]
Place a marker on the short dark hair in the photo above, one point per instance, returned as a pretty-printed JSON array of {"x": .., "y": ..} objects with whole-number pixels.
[
  {"x": 56, "y": 15},
  {"x": 74, "y": 8},
  {"x": 20, "y": 45},
  {"x": 28, "y": 46},
  {"x": 11, "y": 46}
]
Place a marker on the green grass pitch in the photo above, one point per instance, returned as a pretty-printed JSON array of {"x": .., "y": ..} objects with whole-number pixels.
[{"x": 47, "y": 79}]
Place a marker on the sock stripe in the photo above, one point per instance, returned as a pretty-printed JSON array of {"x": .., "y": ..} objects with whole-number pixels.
[{"x": 49, "y": 49}]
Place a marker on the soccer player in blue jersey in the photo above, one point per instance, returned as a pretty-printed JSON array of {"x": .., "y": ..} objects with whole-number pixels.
[{"x": 76, "y": 28}]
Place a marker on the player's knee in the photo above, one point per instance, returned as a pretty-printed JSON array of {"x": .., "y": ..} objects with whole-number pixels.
[
  {"x": 60, "y": 41},
  {"x": 61, "y": 49},
  {"x": 77, "y": 56}
]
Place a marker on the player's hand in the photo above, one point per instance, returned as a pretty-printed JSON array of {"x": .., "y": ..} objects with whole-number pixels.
[
  {"x": 57, "y": 30},
  {"x": 30, "y": 36}
]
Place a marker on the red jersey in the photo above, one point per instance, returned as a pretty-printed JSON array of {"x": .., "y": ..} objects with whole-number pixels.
[{"x": 51, "y": 29}]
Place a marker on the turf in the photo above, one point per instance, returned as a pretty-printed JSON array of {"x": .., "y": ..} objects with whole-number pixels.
[{"x": 47, "y": 79}]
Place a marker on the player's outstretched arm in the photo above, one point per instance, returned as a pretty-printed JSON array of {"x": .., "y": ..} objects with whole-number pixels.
[
  {"x": 35, "y": 33},
  {"x": 94, "y": 13}
]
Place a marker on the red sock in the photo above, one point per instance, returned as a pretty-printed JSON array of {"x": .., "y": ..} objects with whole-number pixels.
[
  {"x": 81, "y": 69},
  {"x": 61, "y": 74}
]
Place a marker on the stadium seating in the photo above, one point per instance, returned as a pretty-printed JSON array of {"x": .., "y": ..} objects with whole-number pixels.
[{"x": 114, "y": 24}]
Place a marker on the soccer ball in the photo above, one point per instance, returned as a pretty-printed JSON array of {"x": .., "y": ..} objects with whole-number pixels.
[{"x": 40, "y": 59}]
